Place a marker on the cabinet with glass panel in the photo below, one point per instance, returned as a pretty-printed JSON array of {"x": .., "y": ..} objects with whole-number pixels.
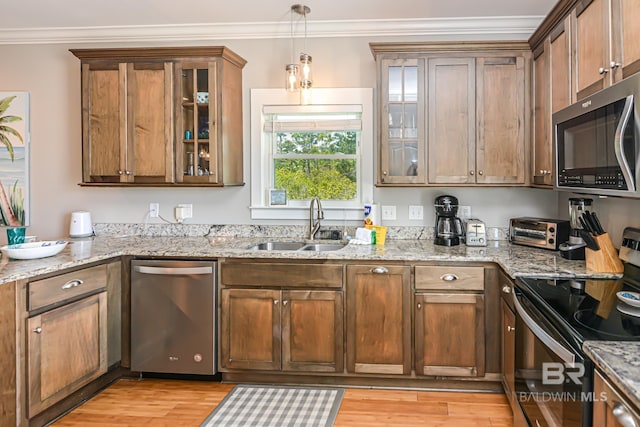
[
  {"x": 452, "y": 113},
  {"x": 402, "y": 157},
  {"x": 209, "y": 120}
]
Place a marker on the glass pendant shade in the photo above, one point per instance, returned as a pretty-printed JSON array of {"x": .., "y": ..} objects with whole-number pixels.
[
  {"x": 291, "y": 77},
  {"x": 305, "y": 75}
]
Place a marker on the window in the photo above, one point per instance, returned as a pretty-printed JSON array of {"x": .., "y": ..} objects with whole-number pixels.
[{"x": 321, "y": 150}]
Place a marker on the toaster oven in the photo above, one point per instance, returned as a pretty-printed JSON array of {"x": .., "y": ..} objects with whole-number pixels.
[{"x": 539, "y": 232}]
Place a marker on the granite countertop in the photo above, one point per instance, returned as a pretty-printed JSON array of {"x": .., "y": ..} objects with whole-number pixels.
[
  {"x": 515, "y": 260},
  {"x": 620, "y": 362}
]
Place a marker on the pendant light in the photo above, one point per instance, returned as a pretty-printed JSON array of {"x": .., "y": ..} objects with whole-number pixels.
[{"x": 298, "y": 76}]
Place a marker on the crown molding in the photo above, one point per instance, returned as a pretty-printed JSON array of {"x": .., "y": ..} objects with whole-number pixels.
[{"x": 515, "y": 27}]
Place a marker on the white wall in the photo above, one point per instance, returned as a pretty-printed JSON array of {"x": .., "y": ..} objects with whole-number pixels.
[{"x": 52, "y": 75}]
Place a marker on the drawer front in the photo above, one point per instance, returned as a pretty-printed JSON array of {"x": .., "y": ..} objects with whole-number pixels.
[
  {"x": 449, "y": 278},
  {"x": 65, "y": 286},
  {"x": 282, "y": 275}
]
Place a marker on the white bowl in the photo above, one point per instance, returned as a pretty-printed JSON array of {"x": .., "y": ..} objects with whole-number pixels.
[
  {"x": 33, "y": 250},
  {"x": 631, "y": 298}
]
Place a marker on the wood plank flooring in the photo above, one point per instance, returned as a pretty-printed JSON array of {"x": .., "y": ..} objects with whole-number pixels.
[{"x": 173, "y": 403}]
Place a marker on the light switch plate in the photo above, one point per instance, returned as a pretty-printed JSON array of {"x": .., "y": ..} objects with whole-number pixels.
[
  {"x": 464, "y": 211},
  {"x": 388, "y": 213}
]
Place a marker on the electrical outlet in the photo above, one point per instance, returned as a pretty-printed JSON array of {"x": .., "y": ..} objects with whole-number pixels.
[
  {"x": 388, "y": 213},
  {"x": 154, "y": 210},
  {"x": 183, "y": 211},
  {"x": 415, "y": 212},
  {"x": 464, "y": 211}
]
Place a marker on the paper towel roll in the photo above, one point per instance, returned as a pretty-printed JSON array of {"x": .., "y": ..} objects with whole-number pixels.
[{"x": 371, "y": 214}]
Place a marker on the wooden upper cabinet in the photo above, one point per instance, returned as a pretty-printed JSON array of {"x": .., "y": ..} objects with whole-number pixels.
[
  {"x": 127, "y": 122},
  {"x": 592, "y": 46},
  {"x": 606, "y": 50},
  {"x": 442, "y": 114},
  {"x": 378, "y": 319},
  {"x": 452, "y": 120},
  {"x": 559, "y": 47},
  {"x": 542, "y": 142},
  {"x": 626, "y": 31},
  {"x": 501, "y": 126},
  {"x": 137, "y": 105}
]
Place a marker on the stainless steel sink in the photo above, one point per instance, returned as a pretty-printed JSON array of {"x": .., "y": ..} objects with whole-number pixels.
[
  {"x": 296, "y": 246},
  {"x": 321, "y": 247},
  {"x": 277, "y": 246}
]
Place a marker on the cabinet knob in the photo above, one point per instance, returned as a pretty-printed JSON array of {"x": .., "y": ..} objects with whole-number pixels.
[
  {"x": 285, "y": 302},
  {"x": 120, "y": 172},
  {"x": 603, "y": 70},
  {"x": 419, "y": 306},
  {"x": 472, "y": 173},
  {"x": 480, "y": 172},
  {"x": 506, "y": 289},
  {"x": 38, "y": 330},
  {"x": 379, "y": 270},
  {"x": 614, "y": 65},
  {"x": 384, "y": 173},
  {"x": 449, "y": 277},
  {"x": 510, "y": 328},
  {"x": 127, "y": 172},
  {"x": 275, "y": 302}
]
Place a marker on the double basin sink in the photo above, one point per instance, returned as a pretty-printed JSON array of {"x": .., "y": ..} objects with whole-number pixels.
[{"x": 296, "y": 246}]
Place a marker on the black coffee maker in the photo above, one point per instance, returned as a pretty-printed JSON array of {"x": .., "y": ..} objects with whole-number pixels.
[{"x": 448, "y": 228}]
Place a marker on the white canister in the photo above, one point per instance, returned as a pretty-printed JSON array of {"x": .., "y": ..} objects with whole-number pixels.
[{"x": 80, "y": 225}]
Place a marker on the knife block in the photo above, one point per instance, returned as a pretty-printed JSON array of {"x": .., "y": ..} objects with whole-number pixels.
[{"x": 606, "y": 259}]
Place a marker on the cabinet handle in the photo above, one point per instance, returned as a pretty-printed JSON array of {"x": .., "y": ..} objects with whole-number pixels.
[
  {"x": 275, "y": 302},
  {"x": 603, "y": 70},
  {"x": 72, "y": 284},
  {"x": 506, "y": 289},
  {"x": 38, "y": 330},
  {"x": 449, "y": 277},
  {"x": 480, "y": 172},
  {"x": 379, "y": 270},
  {"x": 510, "y": 328},
  {"x": 614, "y": 65},
  {"x": 419, "y": 306},
  {"x": 623, "y": 416},
  {"x": 472, "y": 173}
]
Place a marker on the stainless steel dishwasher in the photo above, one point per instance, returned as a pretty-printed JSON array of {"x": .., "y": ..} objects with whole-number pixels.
[{"x": 173, "y": 316}]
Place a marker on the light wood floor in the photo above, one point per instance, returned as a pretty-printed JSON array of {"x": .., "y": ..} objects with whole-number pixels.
[{"x": 173, "y": 403}]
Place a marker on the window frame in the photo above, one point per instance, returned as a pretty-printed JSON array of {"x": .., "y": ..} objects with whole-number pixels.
[{"x": 262, "y": 99}]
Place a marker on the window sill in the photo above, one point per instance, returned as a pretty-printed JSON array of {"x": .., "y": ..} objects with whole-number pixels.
[{"x": 302, "y": 212}]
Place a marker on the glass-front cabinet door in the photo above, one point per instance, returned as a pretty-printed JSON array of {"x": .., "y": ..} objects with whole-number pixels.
[
  {"x": 196, "y": 123},
  {"x": 402, "y": 151}
]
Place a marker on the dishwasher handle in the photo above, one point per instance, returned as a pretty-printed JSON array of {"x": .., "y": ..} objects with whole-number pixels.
[{"x": 172, "y": 271}]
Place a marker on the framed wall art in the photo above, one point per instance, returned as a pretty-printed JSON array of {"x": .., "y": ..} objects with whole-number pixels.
[{"x": 14, "y": 159}]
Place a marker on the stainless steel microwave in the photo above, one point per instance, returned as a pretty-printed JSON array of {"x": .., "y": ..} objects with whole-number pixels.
[{"x": 597, "y": 142}]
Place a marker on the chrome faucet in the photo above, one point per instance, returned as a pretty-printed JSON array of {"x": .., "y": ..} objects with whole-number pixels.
[{"x": 314, "y": 223}]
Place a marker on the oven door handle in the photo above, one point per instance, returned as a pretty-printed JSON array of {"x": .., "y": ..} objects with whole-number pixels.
[{"x": 547, "y": 340}]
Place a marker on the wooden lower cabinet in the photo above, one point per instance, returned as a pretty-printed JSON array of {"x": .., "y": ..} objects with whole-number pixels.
[
  {"x": 288, "y": 330},
  {"x": 449, "y": 334},
  {"x": 378, "y": 319},
  {"x": 8, "y": 349},
  {"x": 67, "y": 349},
  {"x": 610, "y": 407}
]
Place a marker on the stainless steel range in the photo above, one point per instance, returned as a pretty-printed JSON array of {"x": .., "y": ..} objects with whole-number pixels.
[{"x": 554, "y": 378}]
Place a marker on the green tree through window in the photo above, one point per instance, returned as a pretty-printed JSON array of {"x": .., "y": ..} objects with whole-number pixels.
[{"x": 316, "y": 164}]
